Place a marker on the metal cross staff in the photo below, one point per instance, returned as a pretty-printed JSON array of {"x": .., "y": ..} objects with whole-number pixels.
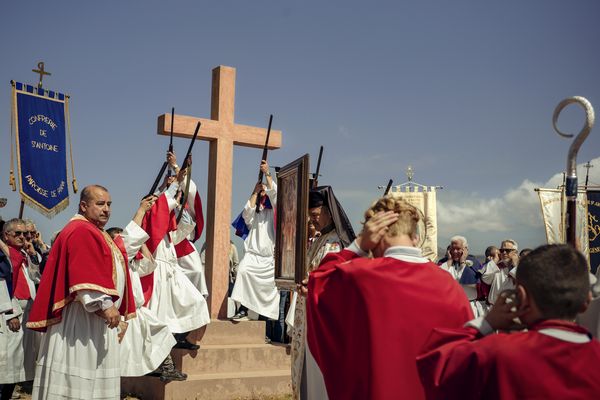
[
  {"x": 571, "y": 178},
  {"x": 41, "y": 71}
]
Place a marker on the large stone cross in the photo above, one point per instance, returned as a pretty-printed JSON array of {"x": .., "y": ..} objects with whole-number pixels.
[{"x": 222, "y": 133}]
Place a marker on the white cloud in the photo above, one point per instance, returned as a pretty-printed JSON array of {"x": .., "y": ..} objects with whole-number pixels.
[{"x": 516, "y": 213}]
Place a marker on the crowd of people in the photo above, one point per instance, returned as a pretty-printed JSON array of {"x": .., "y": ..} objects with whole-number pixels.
[
  {"x": 100, "y": 304},
  {"x": 385, "y": 323},
  {"x": 373, "y": 319}
]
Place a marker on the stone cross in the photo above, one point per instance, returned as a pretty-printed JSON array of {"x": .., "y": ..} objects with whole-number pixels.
[{"x": 222, "y": 133}]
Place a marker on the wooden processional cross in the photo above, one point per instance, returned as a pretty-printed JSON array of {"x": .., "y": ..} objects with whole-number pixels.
[{"x": 222, "y": 133}]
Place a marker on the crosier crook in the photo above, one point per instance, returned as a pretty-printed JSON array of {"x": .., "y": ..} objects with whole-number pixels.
[{"x": 571, "y": 172}]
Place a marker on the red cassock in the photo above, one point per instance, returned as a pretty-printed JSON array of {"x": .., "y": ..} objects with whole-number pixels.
[
  {"x": 461, "y": 364},
  {"x": 21, "y": 288},
  {"x": 80, "y": 259},
  {"x": 368, "y": 318}
]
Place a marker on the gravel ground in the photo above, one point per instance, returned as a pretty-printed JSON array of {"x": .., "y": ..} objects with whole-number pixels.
[{"x": 24, "y": 393}]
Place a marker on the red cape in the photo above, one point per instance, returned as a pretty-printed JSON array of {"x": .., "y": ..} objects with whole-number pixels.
[
  {"x": 157, "y": 222},
  {"x": 81, "y": 258},
  {"x": 20, "y": 286},
  {"x": 461, "y": 364},
  {"x": 368, "y": 318},
  {"x": 184, "y": 248},
  {"x": 194, "y": 207}
]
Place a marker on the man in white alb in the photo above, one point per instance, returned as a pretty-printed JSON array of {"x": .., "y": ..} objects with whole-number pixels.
[{"x": 255, "y": 282}]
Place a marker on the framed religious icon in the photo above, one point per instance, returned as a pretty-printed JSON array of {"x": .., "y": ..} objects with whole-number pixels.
[{"x": 291, "y": 233}]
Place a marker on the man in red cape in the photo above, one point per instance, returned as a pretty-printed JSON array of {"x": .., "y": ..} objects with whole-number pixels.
[
  {"x": 368, "y": 318},
  {"x": 554, "y": 359},
  {"x": 18, "y": 347},
  {"x": 84, "y": 294}
]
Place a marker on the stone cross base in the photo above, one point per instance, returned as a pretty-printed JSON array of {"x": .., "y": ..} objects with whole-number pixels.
[{"x": 233, "y": 363}]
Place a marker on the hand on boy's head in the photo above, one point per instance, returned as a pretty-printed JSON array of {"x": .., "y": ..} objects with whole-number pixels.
[
  {"x": 503, "y": 312},
  {"x": 375, "y": 228}
]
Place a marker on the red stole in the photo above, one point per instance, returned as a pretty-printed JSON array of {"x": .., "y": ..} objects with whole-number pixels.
[
  {"x": 157, "y": 222},
  {"x": 80, "y": 259},
  {"x": 196, "y": 212},
  {"x": 184, "y": 248},
  {"x": 20, "y": 286}
]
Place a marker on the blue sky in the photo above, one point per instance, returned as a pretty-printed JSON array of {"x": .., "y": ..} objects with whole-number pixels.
[{"x": 463, "y": 91}]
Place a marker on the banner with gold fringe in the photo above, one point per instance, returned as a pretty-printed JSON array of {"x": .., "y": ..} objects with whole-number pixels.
[
  {"x": 424, "y": 199},
  {"x": 554, "y": 206},
  {"x": 40, "y": 120}
]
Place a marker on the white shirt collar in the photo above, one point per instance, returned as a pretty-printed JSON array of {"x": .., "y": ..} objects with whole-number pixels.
[{"x": 405, "y": 253}]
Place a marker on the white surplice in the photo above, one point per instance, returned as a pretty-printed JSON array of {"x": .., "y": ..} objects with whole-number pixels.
[
  {"x": 147, "y": 341},
  {"x": 193, "y": 268},
  {"x": 175, "y": 300},
  {"x": 498, "y": 278},
  {"x": 12, "y": 368},
  {"x": 254, "y": 285},
  {"x": 79, "y": 356},
  {"x": 191, "y": 264},
  {"x": 21, "y": 348},
  {"x": 456, "y": 271}
]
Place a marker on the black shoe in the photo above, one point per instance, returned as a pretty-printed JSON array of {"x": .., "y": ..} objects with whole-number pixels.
[
  {"x": 172, "y": 375},
  {"x": 241, "y": 316},
  {"x": 184, "y": 344}
]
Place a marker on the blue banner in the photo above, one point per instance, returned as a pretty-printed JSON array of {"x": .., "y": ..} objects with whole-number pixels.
[
  {"x": 593, "y": 200},
  {"x": 40, "y": 125}
]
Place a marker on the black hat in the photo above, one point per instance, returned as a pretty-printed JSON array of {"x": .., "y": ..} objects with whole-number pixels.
[
  {"x": 323, "y": 195},
  {"x": 315, "y": 199}
]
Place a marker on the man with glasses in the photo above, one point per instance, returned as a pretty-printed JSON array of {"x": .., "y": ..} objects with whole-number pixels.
[
  {"x": 501, "y": 275},
  {"x": 21, "y": 344},
  {"x": 33, "y": 236}
]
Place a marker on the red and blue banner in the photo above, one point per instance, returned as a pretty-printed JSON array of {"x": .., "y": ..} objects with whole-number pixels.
[{"x": 40, "y": 119}]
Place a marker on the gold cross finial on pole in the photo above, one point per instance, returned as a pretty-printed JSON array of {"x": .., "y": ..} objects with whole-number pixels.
[
  {"x": 410, "y": 173},
  {"x": 40, "y": 71},
  {"x": 587, "y": 165}
]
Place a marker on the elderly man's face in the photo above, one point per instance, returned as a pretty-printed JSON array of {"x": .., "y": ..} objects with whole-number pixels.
[
  {"x": 319, "y": 216},
  {"x": 30, "y": 232},
  {"x": 506, "y": 251},
  {"x": 16, "y": 236},
  {"x": 456, "y": 250},
  {"x": 97, "y": 209}
]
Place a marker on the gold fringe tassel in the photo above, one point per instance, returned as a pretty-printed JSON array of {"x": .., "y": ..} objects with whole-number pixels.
[
  {"x": 11, "y": 179},
  {"x": 68, "y": 117},
  {"x": 48, "y": 214}
]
